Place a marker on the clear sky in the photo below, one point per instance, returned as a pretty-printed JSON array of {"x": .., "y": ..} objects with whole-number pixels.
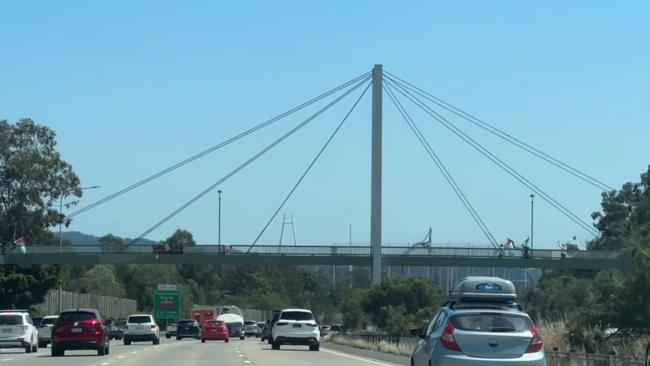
[{"x": 133, "y": 87}]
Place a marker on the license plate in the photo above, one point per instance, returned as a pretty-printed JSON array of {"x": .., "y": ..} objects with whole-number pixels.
[
  {"x": 75, "y": 330},
  {"x": 296, "y": 325}
]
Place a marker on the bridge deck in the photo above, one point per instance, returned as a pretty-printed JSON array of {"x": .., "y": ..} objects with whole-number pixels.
[{"x": 320, "y": 255}]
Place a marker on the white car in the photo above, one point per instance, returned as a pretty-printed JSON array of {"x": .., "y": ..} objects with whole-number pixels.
[
  {"x": 17, "y": 331},
  {"x": 296, "y": 327},
  {"x": 141, "y": 328},
  {"x": 45, "y": 330}
]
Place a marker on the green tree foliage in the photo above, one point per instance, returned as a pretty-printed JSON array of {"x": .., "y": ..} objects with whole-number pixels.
[
  {"x": 608, "y": 307},
  {"x": 33, "y": 177},
  {"x": 101, "y": 280},
  {"x": 25, "y": 286},
  {"x": 33, "y": 180},
  {"x": 412, "y": 301},
  {"x": 111, "y": 243}
]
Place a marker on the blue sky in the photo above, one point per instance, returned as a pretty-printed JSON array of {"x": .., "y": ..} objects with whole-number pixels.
[{"x": 131, "y": 88}]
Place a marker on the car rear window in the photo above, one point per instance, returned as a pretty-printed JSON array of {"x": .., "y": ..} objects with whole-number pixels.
[
  {"x": 48, "y": 321},
  {"x": 11, "y": 320},
  {"x": 75, "y": 316},
  {"x": 491, "y": 323},
  {"x": 214, "y": 322},
  {"x": 249, "y": 322},
  {"x": 185, "y": 323},
  {"x": 296, "y": 315},
  {"x": 120, "y": 322},
  {"x": 139, "y": 319}
]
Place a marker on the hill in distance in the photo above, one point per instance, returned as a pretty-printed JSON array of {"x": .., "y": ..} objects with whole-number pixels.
[{"x": 79, "y": 238}]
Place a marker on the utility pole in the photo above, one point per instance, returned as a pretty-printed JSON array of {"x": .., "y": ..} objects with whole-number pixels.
[
  {"x": 376, "y": 173},
  {"x": 219, "y": 191}
]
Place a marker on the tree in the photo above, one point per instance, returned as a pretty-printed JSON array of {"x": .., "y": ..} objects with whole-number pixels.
[
  {"x": 33, "y": 178},
  {"x": 101, "y": 280},
  {"x": 111, "y": 243},
  {"x": 25, "y": 286},
  {"x": 412, "y": 300},
  {"x": 181, "y": 237}
]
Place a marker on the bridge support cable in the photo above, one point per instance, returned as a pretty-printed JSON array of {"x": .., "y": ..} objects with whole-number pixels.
[
  {"x": 248, "y": 162},
  {"x": 495, "y": 159},
  {"x": 441, "y": 166},
  {"x": 500, "y": 133},
  {"x": 219, "y": 145},
  {"x": 309, "y": 167}
]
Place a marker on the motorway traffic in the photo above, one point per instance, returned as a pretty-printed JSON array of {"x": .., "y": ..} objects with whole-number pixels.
[{"x": 189, "y": 352}]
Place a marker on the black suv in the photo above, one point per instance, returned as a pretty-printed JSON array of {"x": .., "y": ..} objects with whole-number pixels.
[{"x": 188, "y": 329}]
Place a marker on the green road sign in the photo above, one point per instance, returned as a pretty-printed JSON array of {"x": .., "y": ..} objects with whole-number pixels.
[{"x": 166, "y": 305}]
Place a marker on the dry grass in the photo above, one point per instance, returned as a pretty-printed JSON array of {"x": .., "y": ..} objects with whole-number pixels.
[{"x": 383, "y": 346}]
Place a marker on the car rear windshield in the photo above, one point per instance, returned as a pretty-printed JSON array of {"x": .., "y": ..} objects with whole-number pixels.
[
  {"x": 249, "y": 322},
  {"x": 48, "y": 321},
  {"x": 11, "y": 320},
  {"x": 296, "y": 315},
  {"x": 185, "y": 323},
  {"x": 120, "y": 322},
  {"x": 491, "y": 322},
  {"x": 214, "y": 322},
  {"x": 139, "y": 319},
  {"x": 75, "y": 316}
]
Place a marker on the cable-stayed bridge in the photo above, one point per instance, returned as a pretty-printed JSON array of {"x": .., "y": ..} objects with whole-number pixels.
[{"x": 401, "y": 93}]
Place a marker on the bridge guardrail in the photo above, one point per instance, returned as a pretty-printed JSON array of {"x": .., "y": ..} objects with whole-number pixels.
[{"x": 319, "y": 250}]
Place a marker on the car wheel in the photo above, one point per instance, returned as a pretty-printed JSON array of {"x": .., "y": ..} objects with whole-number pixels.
[
  {"x": 168, "y": 336},
  {"x": 34, "y": 348},
  {"x": 101, "y": 350},
  {"x": 226, "y": 340},
  {"x": 275, "y": 346},
  {"x": 647, "y": 356},
  {"x": 28, "y": 348},
  {"x": 56, "y": 352},
  {"x": 315, "y": 347},
  {"x": 270, "y": 341},
  {"x": 202, "y": 340},
  {"x": 108, "y": 349},
  {"x": 178, "y": 338},
  {"x": 127, "y": 342},
  {"x": 156, "y": 341},
  {"x": 42, "y": 344}
]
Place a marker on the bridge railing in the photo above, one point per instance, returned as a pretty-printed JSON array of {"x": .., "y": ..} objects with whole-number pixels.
[{"x": 316, "y": 250}]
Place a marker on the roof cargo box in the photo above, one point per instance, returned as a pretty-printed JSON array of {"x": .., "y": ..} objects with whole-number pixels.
[{"x": 483, "y": 289}]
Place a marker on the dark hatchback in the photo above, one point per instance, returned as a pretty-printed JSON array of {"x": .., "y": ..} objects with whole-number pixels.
[
  {"x": 80, "y": 329},
  {"x": 188, "y": 329}
]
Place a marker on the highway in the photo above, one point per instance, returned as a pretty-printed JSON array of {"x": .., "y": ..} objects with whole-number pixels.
[{"x": 250, "y": 352}]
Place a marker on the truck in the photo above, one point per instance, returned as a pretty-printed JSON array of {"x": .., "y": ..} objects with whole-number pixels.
[{"x": 203, "y": 315}]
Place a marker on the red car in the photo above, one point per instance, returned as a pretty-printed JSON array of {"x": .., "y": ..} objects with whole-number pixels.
[
  {"x": 214, "y": 330},
  {"x": 80, "y": 329}
]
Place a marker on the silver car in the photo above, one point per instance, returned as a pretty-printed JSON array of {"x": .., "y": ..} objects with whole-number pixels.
[{"x": 480, "y": 326}]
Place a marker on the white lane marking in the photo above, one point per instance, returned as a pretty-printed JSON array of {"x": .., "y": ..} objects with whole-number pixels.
[
  {"x": 104, "y": 363},
  {"x": 120, "y": 357},
  {"x": 358, "y": 358},
  {"x": 7, "y": 359},
  {"x": 241, "y": 356},
  {"x": 134, "y": 352},
  {"x": 246, "y": 362}
]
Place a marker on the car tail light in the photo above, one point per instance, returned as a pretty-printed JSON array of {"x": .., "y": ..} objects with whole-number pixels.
[
  {"x": 24, "y": 327},
  {"x": 153, "y": 326},
  {"x": 448, "y": 341},
  {"x": 279, "y": 324},
  {"x": 536, "y": 344}
]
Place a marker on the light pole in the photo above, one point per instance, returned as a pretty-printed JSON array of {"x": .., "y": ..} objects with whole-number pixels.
[
  {"x": 532, "y": 216},
  {"x": 219, "y": 191},
  {"x": 61, "y": 242}
]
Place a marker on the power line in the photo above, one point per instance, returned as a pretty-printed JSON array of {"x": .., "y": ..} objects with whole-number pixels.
[
  {"x": 217, "y": 147},
  {"x": 502, "y": 134},
  {"x": 308, "y": 168},
  {"x": 495, "y": 159},
  {"x": 249, "y": 161},
  {"x": 441, "y": 166}
]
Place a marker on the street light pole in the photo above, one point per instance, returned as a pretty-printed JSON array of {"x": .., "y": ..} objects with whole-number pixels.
[
  {"x": 532, "y": 216},
  {"x": 219, "y": 191}
]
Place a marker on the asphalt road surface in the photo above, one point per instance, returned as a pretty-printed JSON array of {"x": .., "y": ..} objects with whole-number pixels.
[{"x": 250, "y": 352}]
